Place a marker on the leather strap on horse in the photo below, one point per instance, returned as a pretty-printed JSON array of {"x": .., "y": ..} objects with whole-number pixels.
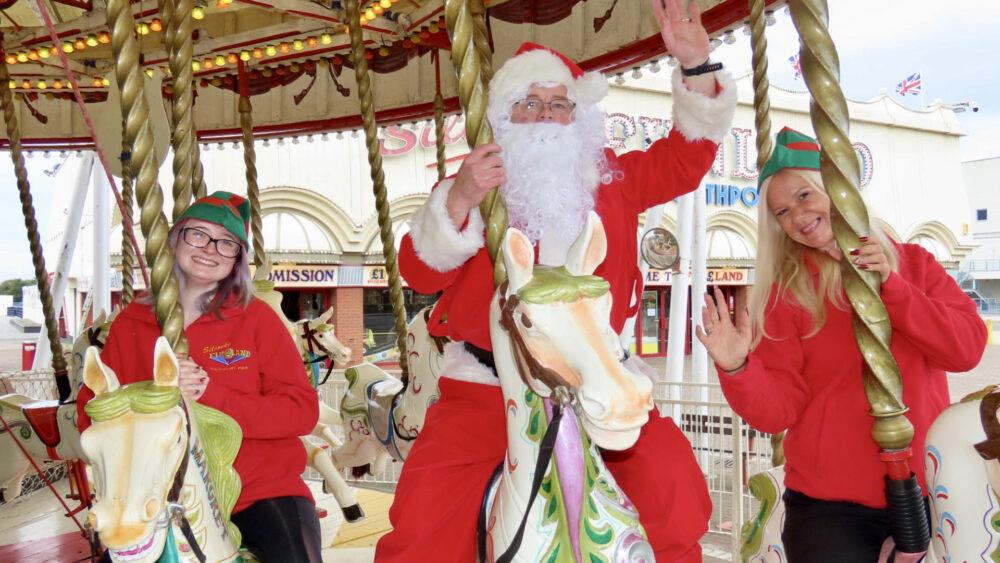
[
  {"x": 990, "y": 447},
  {"x": 175, "y": 510},
  {"x": 541, "y": 466}
]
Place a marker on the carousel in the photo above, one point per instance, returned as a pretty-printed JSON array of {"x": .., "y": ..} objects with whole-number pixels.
[{"x": 140, "y": 82}]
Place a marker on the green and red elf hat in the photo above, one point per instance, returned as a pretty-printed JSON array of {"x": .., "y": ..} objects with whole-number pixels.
[
  {"x": 792, "y": 150},
  {"x": 225, "y": 209}
]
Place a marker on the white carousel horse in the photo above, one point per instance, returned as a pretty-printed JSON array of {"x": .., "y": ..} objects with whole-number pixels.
[
  {"x": 962, "y": 463},
  {"x": 315, "y": 339},
  {"x": 46, "y": 429},
  {"x": 381, "y": 417},
  {"x": 551, "y": 334},
  {"x": 162, "y": 467}
]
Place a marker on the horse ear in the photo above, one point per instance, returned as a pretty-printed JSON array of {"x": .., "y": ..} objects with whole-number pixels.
[
  {"x": 589, "y": 249},
  {"x": 519, "y": 259},
  {"x": 98, "y": 377},
  {"x": 165, "y": 368},
  {"x": 325, "y": 317}
]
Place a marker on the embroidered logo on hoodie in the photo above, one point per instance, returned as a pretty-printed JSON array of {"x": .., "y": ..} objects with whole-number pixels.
[{"x": 229, "y": 356}]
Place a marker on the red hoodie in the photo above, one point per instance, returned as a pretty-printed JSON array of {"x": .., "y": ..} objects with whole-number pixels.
[{"x": 255, "y": 376}]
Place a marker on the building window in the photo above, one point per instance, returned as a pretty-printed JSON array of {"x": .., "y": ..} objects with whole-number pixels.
[
  {"x": 980, "y": 215},
  {"x": 380, "y": 325}
]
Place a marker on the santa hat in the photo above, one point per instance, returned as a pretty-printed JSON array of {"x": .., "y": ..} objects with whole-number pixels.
[
  {"x": 792, "y": 150},
  {"x": 225, "y": 209},
  {"x": 535, "y": 64}
]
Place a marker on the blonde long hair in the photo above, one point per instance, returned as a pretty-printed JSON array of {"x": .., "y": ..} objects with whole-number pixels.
[{"x": 781, "y": 266}]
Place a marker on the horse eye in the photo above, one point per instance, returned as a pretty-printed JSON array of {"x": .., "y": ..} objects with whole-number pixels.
[{"x": 525, "y": 321}]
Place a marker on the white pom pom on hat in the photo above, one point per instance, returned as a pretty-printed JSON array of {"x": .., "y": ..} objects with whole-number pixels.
[{"x": 536, "y": 64}]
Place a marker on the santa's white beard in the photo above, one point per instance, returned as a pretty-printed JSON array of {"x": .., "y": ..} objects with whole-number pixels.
[{"x": 553, "y": 171}]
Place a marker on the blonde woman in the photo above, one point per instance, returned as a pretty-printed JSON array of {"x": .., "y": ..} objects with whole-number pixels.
[{"x": 793, "y": 364}]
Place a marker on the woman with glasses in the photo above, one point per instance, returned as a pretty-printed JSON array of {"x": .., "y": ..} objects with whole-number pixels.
[{"x": 242, "y": 362}]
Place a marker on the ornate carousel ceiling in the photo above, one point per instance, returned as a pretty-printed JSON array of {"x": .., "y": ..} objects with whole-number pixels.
[{"x": 296, "y": 56}]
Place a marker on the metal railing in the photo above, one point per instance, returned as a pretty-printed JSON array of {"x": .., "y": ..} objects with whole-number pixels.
[{"x": 982, "y": 265}]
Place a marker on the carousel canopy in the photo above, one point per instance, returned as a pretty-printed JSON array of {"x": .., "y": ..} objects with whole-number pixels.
[{"x": 299, "y": 73}]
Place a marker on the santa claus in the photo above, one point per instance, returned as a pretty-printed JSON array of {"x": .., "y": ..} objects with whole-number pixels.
[{"x": 552, "y": 167}]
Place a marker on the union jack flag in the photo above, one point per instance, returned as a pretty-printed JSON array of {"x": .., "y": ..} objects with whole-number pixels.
[
  {"x": 910, "y": 85},
  {"x": 796, "y": 65}
]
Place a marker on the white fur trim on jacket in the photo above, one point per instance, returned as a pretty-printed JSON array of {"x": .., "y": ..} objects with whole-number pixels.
[
  {"x": 699, "y": 117},
  {"x": 459, "y": 364},
  {"x": 435, "y": 238}
]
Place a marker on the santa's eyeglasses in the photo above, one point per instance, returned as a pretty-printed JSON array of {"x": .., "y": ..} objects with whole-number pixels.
[{"x": 533, "y": 106}]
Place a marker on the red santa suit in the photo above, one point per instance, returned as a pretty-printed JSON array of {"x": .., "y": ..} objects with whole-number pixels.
[{"x": 463, "y": 439}]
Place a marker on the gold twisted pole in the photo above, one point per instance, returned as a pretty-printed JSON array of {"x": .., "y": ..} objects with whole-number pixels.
[
  {"x": 128, "y": 251},
  {"x": 761, "y": 98},
  {"x": 841, "y": 175},
  {"x": 762, "y": 120},
  {"x": 180, "y": 47},
  {"x": 378, "y": 178},
  {"x": 28, "y": 209},
  {"x": 139, "y": 136},
  {"x": 253, "y": 190},
  {"x": 463, "y": 30},
  {"x": 439, "y": 134}
]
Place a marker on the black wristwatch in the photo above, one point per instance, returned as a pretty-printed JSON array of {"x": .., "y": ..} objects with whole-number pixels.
[{"x": 703, "y": 68}]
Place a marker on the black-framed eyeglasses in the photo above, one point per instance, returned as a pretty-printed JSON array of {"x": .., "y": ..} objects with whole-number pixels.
[
  {"x": 533, "y": 106},
  {"x": 200, "y": 239}
]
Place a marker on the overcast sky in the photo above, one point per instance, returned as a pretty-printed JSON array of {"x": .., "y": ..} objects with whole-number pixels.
[{"x": 879, "y": 43}]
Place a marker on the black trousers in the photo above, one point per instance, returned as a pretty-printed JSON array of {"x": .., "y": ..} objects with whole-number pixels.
[
  {"x": 281, "y": 530},
  {"x": 821, "y": 531}
]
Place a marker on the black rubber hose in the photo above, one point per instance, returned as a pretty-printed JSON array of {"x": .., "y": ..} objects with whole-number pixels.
[{"x": 907, "y": 515}]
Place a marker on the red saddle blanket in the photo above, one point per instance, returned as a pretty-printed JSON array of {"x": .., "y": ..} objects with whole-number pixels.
[{"x": 42, "y": 417}]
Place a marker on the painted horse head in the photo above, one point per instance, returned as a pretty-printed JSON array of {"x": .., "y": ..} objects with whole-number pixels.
[
  {"x": 150, "y": 465},
  {"x": 552, "y": 324},
  {"x": 94, "y": 335},
  {"x": 317, "y": 336}
]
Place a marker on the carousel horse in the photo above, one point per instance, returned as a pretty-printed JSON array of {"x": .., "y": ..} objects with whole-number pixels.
[
  {"x": 560, "y": 367},
  {"x": 162, "y": 467},
  {"x": 46, "y": 429},
  {"x": 381, "y": 417},
  {"x": 315, "y": 340},
  {"x": 962, "y": 464}
]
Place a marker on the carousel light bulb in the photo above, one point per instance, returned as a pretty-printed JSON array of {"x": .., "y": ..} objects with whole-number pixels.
[
  {"x": 340, "y": 134},
  {"x": 671, "y": 61},
  {"x": 271, "y": 50},
  {"x": 207, "y": 64},
  {"x": 143, "y": 28},
  {"x": 284, "y": 47},
  {"x": 45, "y": 53},
  {"x": 636, "y": 73},
  {"x": 57, "y": 84},
  {"x": 362, "y": 20},
  {"x": 22, "y": 57},
  {"x": 79, "y": 44},
  {"x": 149, "y": 72},
  {"x": 325, "y": 39},
  {"x": 728, "y": 38},
  {"x": 105, "y": 82},
  {"x": 104, "y": 38},
  {"x": 386, "y": 4},
  {"x": 11, "y": 59},
  {"x": 311, "y": 41},
  {"x": 42, "y": 85},
  {"x": 383, "y": 51},
  {"x": 67, "y": 47},
  {"x": 266, "y": 73},
  {"x": 619, "y": 79},
  {"x": 654, "y": 66},
  {"x": 195, "y": 66},
  {"x": 747, "y": 30},
  {"x": 231, "y": 58},
  {"x": 11, "y": 84},
  {"x": 377, "y": 9},
  {"x": 97, "y": 82},
  {"x": 297, "y": 44},
  {"x": 216, "y": 81},
  {"x": 258, "y": 53},
  {"x": 220, "y": 60},
  {"x": 370, "y": 14},
  {"x": 54, "y": 50},
  {"x": 769, "y": 17},
  {"x": 433, "y": 27},
  {"x": 92, "y": 41},
  {"x": 198, "y": 13},
  {"x": 244, "y": 56},
  {"x": 156, "y": 24},
  {"x": 33, "y": 55}
]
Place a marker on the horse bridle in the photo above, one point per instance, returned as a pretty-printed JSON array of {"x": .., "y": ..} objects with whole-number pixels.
[
  {"x": 175, "y": 510},
  {"x": 309, "y": 336},
  {"x": 989, "y": 448},
  {"x": 527, "y": 366}
]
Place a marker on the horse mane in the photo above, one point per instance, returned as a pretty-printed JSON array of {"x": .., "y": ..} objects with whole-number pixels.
[
  {"x": 222, "y": 437},
  {"x": 551, "y": 284}
]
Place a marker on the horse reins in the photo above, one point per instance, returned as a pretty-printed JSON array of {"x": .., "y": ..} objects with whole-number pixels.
[
  {"x": 175, "y": 511},
  {"x": 309, "y": 336},
  {"x": 989, "y": 448}
]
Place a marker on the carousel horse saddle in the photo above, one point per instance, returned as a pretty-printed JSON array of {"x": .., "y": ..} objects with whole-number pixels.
[{"x": 42, "y": 416}]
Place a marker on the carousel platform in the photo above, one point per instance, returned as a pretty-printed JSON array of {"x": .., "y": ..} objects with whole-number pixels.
[{"x": 35, "y": 529}]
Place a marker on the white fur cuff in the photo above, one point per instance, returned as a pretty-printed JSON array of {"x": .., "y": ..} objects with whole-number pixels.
[
  {"x": 459, "y": 364},
  {"x": 435, "y": 238},
  {"x": 697, "y": 116}
]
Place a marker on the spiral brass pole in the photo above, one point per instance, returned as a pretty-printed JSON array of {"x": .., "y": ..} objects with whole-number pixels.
[
  {"x": 28, "y": 209},
  {"x": 841, "y": 175},
  {"x": 439, "y": 135},
  {"x": 128, "y": 252},
  {"x": 198, "y": 187},
  {"x": 378, "y": 178},
  {"x": 253, "y": 190},
  {"x": 468, "y": 60},
  {"x": 180, "y": 48},
  {"x": 139, "y": 136}
]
